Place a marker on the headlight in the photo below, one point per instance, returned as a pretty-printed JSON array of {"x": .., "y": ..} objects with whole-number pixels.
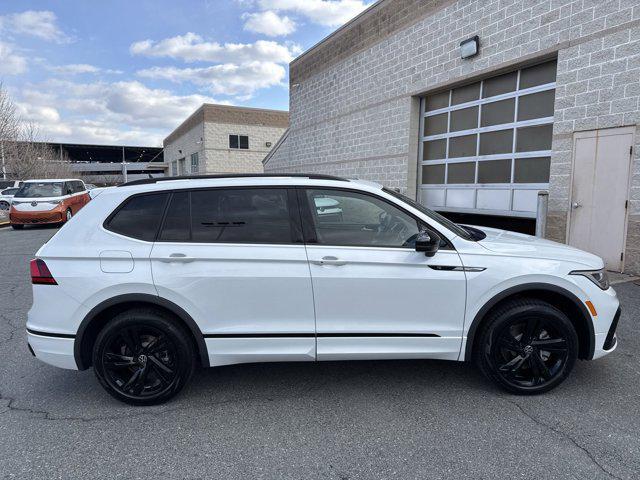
[
  {"x": 55, "y": 202},
  {"x": 599, "y": 277}
]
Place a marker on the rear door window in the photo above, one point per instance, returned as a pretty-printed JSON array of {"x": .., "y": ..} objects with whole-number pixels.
[
  {"x": 239, "y": 215},
  {"x": 177, "y": 225},
  {"x": 139, "y": 217},
  {"x": 248, "y": 215}
]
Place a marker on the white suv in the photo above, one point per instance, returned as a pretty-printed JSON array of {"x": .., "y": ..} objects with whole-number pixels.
[{"x": 157, "y": 276}]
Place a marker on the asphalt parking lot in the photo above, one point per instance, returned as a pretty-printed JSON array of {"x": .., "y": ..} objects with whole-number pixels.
[{"x": 358, "y": 420}]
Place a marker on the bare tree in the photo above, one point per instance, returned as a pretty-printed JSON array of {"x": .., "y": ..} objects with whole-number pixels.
[
  {"x": 23, "y": 155},
  {"x": 9, "y": 126}
]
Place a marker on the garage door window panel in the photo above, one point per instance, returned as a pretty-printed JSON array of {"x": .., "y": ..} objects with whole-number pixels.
[
  {"x": 464, "y": 146},
  {"x": 463, "y": 172},
  {"x": 532, "y": 170},
  {"x": 498, "y": 113},
  {"x": 464, "y": 119}
]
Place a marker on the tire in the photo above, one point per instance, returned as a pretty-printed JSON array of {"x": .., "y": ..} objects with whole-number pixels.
[
  {"x": 4, "y": 205},
  {"x": 527, "y": 347},
  {"x": 143, "y": 357},
  {"x": 17, "y": 226}
]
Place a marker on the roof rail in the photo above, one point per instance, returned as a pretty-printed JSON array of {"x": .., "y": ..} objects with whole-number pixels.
[{"x": 312, "y": 176}]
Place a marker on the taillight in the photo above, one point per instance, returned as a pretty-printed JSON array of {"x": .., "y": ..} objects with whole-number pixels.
[{"x": 40, "y": 274}]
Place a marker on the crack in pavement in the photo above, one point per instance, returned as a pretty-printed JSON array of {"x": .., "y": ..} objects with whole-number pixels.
[
  {"x": 47, "y": 415},
  {"x": 564, "y": 435}
]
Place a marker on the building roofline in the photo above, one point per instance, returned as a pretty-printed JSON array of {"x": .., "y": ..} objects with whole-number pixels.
[
  {"x": 340, "y": 29},
  {"x": 275, "y": 148},
  {"x": 371, "y": 26},
  {"x": 270, "y": 117}
]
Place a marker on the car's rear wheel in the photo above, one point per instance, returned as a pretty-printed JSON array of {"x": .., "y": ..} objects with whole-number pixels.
[
  {"x": 4, "y": 205},
  {"x": 16, "y": 226},
  {"x": 527, "y": 346},
  {"x": 143, "y": 357}
]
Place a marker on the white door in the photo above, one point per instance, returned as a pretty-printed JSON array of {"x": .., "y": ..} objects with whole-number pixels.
[
  {"x": 375, "y": 296},
  {"x": 599, "y": 195},
  {"x": 237, "y": 270}
]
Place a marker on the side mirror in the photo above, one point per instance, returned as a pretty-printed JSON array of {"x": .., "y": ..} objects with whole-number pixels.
[{"x": 427, "y": 243}]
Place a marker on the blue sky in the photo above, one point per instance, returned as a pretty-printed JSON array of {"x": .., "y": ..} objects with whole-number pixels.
[{"x": 128, "y": 72}]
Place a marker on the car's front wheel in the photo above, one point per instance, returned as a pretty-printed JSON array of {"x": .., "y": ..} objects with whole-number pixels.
[
  {"x": 143, "y": 357},
  {"x": 527, "y": 346}
]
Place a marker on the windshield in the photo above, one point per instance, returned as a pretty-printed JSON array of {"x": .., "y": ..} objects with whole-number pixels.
[
  {"x": 454, "y": 227},
  {"x": 40, "y": 189}
]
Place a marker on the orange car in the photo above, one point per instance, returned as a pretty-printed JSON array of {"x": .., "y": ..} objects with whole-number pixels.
[{"x": 47, "y": 201}]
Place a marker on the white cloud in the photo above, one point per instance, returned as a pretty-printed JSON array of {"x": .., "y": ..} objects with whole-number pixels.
[
  {"x": 100, "y": 112},
  {"x": 81, "y": 68},
  {"x": 11, "y": 63},
  {"x": 40, "y": 24},
  {"x": 268, "y": 23},
  {"x": 228, "y": 79},
  {"x": 192, "y": 48},
  {"x": 331, "y": 13}
]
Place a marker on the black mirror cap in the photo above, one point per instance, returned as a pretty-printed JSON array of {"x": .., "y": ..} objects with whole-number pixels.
[{"x": 429, "y": 243}]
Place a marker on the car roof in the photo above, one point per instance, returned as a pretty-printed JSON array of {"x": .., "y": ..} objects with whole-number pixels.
[
  {"x": 53, "y": 180},
  {"x": 230, "y": 180}
]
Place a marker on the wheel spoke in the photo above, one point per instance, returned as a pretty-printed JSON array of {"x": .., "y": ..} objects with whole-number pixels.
[
  {"x": 115, "y": 360},
  {"x": 530, "y": 331},
  {"x": 513, "y": 365},
  {"x": 132, "y": 340},
  {"x": 164, "y": 373},
  {"x": 138, "y": 385},
  {"x": 510, "y": 343},
  {"x": 157, "y": 344},
  {"x": 132, "y": 381},
  {"x": 538, "y": 367},
  {"x": 551, "y": 344}
]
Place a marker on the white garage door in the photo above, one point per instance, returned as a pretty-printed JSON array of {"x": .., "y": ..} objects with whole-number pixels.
[{"x": 486, "y": 146}]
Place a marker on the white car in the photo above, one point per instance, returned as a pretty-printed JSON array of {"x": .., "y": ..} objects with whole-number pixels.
[
  {"x": 6, "y": 196},
  {"x": 158, "y": 276},
  {"x": 95, "y": 191}
]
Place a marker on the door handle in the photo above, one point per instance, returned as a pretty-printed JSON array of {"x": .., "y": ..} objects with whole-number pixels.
[
  {"x": 330, "y": 260},
  {"x": 176, "y": 257},
  {"x": 575, "y": 205}
]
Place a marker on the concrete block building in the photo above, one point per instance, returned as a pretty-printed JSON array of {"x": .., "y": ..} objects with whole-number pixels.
[
  {"x": 223, "y": 139},
  {"x": 550, "y": 102}
]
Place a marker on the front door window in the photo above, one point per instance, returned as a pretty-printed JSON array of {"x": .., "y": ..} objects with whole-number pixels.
[{"x": 354, "y": 219}]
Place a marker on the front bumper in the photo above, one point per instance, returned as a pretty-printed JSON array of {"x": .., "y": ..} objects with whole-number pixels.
[
  {"x": 607, "y": 342},
  {"x": 35, "y": 218},
  {"x": 54, "y": 349}
]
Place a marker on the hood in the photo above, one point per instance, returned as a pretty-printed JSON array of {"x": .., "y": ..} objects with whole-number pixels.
[{"x": 521, "y": 245}]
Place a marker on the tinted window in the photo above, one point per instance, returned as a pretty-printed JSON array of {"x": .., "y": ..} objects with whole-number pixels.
[
  {"x": 233, "y": 141},
  {"x": 139, "y": 217},
  {"x": 240, "y": 216},
  {"x": 244, "y": 142},
  {"x": 355, "y": 219},
  {"x": 176, "y": 222}
]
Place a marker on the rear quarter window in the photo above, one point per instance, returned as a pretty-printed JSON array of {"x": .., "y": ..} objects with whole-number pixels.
[{"x": 139, "y": 217}]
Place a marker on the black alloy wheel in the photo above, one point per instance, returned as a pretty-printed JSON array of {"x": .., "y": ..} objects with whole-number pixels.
[
  {"x": 143, "y": 358},
  {"x": 528, "y": 347}
]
